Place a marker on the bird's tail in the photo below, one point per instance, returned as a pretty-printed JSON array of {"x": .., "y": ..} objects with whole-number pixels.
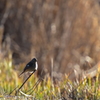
[{"x": 21, "y": 74}]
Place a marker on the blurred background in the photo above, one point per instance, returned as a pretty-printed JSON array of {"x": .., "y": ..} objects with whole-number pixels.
[{"x": 64, "y": 34}]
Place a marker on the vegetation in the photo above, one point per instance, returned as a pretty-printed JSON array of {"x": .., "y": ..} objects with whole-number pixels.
[
  {"x": 67, "y": 31},
  {"x": 88, "y": 89}
]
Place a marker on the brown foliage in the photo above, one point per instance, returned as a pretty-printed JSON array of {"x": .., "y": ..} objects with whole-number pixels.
[{"x": 65, "y": 30}]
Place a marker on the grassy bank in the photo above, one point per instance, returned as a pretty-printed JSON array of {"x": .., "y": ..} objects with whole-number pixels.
[{"x": 88, "y": 89}]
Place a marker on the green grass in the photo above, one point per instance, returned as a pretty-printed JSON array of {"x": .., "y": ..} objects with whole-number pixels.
[{"x": 88, "y": 89}]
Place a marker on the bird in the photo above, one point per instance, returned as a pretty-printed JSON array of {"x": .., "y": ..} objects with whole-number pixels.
[{"x": 32, "y": 66}]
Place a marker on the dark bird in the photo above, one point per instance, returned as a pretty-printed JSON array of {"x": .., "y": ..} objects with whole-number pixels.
[{"x": 32, "y": 66}]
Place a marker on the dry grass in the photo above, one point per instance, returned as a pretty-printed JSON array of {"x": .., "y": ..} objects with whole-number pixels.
[{"x": 88, "y": 89}]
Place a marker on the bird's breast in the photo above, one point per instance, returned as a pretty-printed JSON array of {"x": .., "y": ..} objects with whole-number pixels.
[{"x": 36, "y": 67}]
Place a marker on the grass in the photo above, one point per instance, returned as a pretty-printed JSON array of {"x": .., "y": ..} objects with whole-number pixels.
[{"x": 88, "y": 89}]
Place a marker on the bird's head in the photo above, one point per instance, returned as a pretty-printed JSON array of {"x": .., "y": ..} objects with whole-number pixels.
[{"x": 34, "y": 59}]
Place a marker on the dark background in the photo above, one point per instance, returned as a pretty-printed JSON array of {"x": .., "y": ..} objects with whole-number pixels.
[{"x": 67, "y": 31}]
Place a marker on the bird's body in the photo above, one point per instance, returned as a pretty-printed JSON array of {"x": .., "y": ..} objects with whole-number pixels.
[{"x": 31, "y": 66}]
